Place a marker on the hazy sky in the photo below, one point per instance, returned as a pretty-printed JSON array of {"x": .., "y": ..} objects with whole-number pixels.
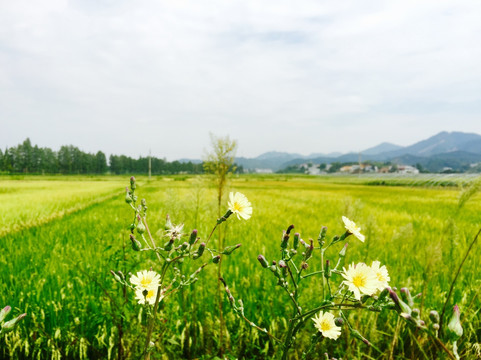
[{"x": 298, "y": 76}]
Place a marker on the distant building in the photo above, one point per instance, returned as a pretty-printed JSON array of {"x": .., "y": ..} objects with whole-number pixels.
[
  {"x": 407, "y": 169},
  {"x": 263, "y": 171}
]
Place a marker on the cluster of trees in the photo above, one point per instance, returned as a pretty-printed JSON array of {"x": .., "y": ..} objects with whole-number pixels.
[{"x": 25, "y": 158}]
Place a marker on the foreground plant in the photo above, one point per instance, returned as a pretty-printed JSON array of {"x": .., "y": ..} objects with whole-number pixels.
[
  {"x": 153, "y": 287},
  {"x": 7, "y": 326},
  {"x": 359, "y": 287}
]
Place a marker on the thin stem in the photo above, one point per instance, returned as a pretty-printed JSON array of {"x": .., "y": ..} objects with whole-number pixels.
[
  {"x": 292, "y": 277},
  {"x": 454, "y": 281},
  {"x": 312, "y": 274},
  {"x": 154, "y": 314},
  {"x": 144, "y": 220},
  {"x": 322, "y": 270},
  {"x": 211, "y": 233}
]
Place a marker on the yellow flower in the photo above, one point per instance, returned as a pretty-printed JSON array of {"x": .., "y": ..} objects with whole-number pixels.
[
  {"x": 324, "y": 322},
  {"x": 146, "y": 280},
  {"x": 360, "y": 279},
  {"x": 146, "y": 296},
  {"x": 352, "y": 228},
  {"x": 382, "y": 275},
  {"x": 239, "y": 205}
]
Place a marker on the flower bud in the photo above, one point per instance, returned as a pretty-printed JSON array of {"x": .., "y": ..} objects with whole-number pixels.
[
  {"x": 199, "y": 251},
  {"x": 285, "y": 241},
  {"x": 140, "y": 226},
  {"x": 116, "y": 276},
  {"x": 133, "y": 185},
  {"x": 339, "y": 321},
  {"x": 216, "y": 259},
  {"x": 184, "y": 246},
  {"x": 322, "y": 236},
  {"x": 263, "y": 261},
  {"x": 355, "y": 333},
  {"x": 434, "y": 316},
  {"x": 343, "y": 251},
  {"x": 136, "y": 245},
  {"x": 436, "y": 327},
  {"x": 282, "y": 264},
  {"x": 128, "y": 197},
  {"x": 406, "y": 296},
  {"x": 327, "y": 270},
  {"x": 4, "y": 312},
  {"x": 309, "y": 250},
  {"x": 168, "y": 245},
  {"x": 455, "y": 329},
  {"x": 295, "y": 243},
  {"x": 401, "y": 306},
  {"x": 289, "y": 229},
  {"x": 9, "y": 325},
  {"x": 304, "y": 265},
  {"x": 230, "y": 249},
  {"x": 193, "y": 237}
]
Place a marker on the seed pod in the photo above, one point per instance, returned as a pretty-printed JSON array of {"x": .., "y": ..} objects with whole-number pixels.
[
  {"x": 455, "y": 329},
  {"x": 193, "y": 237},
  {"x": 136, "y": 245},
  {"x": 4, "y": 312},
  {"x": 295, "y": 242},
  {"x": 263, "y": 261}
]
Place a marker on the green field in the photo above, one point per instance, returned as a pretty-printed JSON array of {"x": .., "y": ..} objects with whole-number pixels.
[{"x": 60, "y": 237}]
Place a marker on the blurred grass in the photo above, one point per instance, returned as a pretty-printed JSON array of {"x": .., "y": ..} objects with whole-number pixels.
[{"x": 56, "y": 267}]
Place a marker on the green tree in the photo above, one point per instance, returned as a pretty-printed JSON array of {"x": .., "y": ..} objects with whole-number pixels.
[
  {"x": 220, "y": 162},
  {"x": 100, "y": 163}
]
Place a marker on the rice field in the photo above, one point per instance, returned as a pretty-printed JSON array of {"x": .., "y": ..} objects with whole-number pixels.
[{"x": 61, "y": 236}]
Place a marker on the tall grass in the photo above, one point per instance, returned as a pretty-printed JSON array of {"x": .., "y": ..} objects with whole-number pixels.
[{"x": 57, "y": 270}]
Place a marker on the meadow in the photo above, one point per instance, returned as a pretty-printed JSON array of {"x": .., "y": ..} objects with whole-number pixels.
[{"x": 61, "y": 236}]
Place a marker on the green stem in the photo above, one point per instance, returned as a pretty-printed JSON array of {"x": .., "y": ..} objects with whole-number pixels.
[{"x": 154, "y": 314}]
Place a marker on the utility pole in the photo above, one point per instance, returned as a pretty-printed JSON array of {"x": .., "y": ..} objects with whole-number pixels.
[
  {"x": 150, "y": 164},
  {"x": 360, "y": 169}
]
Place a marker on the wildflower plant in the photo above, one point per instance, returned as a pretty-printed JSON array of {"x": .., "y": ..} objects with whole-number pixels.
[
  {"x": 154, "y": 286},
  {"x": 344, "y": 287},
  {"x": 7, "y": 326}
]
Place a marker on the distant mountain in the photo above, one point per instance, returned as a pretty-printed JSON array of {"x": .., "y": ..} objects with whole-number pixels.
[
  {"x": 444, "y": 142},
  {"x": 381, "y": 148},
  {"x": 455, "y": 150},
  {"x": 278, "y": 155}
]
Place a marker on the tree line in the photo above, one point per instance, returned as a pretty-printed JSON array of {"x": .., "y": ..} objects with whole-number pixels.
[{"x": 28, "y": 159}]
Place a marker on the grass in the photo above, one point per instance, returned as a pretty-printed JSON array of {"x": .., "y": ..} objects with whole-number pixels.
[{"x": 61, "y": 236}]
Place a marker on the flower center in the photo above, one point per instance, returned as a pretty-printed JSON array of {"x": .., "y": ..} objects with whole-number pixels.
[
  {"x": 237, "y": 207},
  {"x": 150, "y": 294},
  {"x": 325, "y": 325},
  {"x": 359, "y": 280},
  {"x": 380, "y": 277},
  {"x": 145, "y": 281}
]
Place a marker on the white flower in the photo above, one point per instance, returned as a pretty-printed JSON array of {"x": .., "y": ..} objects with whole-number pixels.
[
  {"x": 145, "y": 296},
  {"x": 360, "y": 279},
  {"x": 146, "y": 280},
  {"x": 381, "y": 274},
  {"x": 352, "y": 228},
  {"x": 239, "y": 205},
  {"x": 324, "y": 322},
  {"x": 175, "y": 232}
]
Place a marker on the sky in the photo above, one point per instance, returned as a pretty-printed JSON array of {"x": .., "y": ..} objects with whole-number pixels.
[{"x": 304, "y": 77}]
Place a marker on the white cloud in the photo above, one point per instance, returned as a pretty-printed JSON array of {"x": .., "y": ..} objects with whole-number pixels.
[{"x": 277, "y": 75}]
